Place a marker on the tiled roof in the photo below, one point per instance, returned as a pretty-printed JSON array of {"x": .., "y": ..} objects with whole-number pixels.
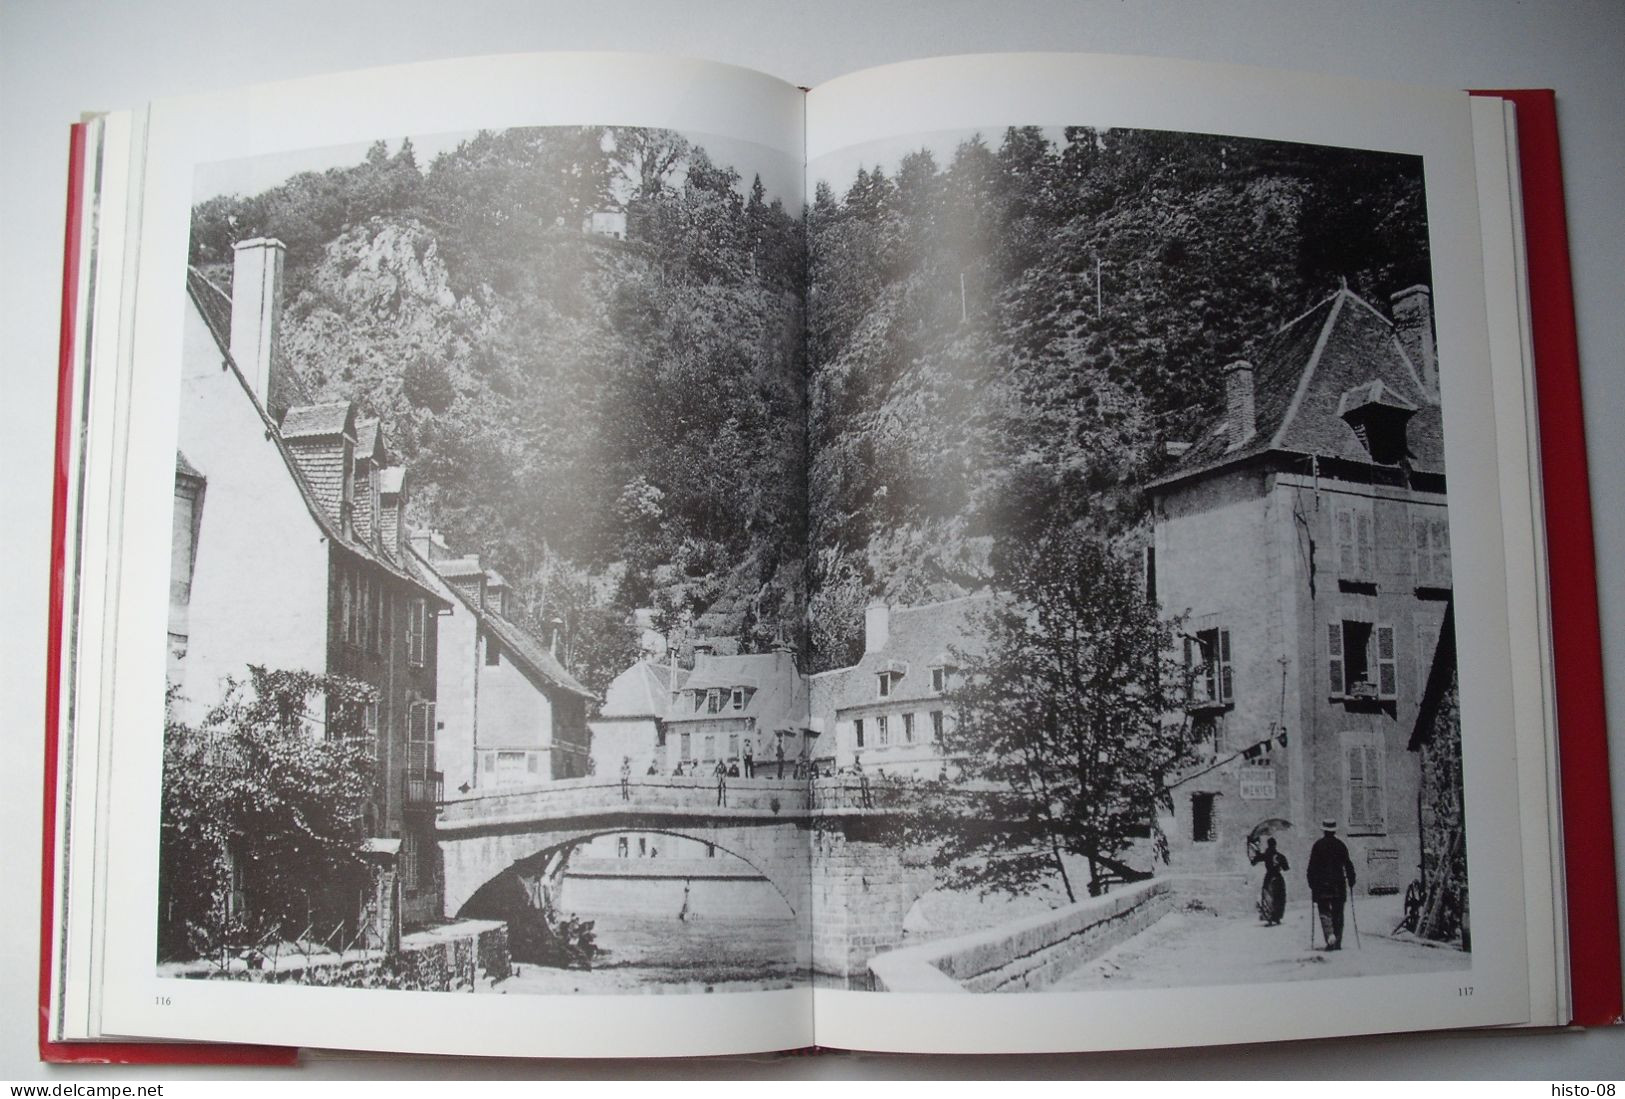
[
  {"x": 918, "y": 638},
  {"x": 1301, "y": 385},
  {"x": 208, "y": 298},
  {"x": 520, "y": 643},
  {"x": 523, "y": 644},
  {"x": 643, "y": 690},
  {"x": 779, "y": 700},
  {"x": 314, "y": 421}
]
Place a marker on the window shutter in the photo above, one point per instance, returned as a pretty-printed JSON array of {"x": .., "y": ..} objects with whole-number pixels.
[
  {"x": 1227, "y": 684},
  {"x": 1346, "y": 560},
  {"x": 1387, "y": 662},
  {"x": 857, "y": 732},
  {"x": 1373, "y": 789},
  {"x": 1334, "y": 649},
  {"x": 1365, "y": 544},
  {"x": 1356, "y": 787}
]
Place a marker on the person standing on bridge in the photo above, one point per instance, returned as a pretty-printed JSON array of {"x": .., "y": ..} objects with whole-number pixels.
[
  {"x": 626, "y": 778},
  {"x": 1331, "y": 876},
  {"x": 750, "y": 759},
  {"x": 722, "y": 783}
]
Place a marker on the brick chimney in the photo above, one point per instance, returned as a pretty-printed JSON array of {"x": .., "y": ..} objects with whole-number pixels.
[
  {"x": 1238, "y": 403},
  {"x": 1413, "y": 325},
  {"x": 876, "y": 626},
  {"x": 392, "y": 510},
  {"x": 256, "y": 307}
]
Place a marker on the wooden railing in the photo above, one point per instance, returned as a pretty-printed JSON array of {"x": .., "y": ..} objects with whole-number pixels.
[{"x": 422, "y": 791}]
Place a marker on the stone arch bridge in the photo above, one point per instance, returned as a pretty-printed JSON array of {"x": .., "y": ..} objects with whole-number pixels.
[{"x": 823, "y": 845}]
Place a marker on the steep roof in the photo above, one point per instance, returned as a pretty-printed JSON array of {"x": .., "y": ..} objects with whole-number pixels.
[
  {"x": 918, "y": 639},
  {"x": 643, "y": 690},
  {"x": 208, "y": 300},
  {"x": 523, "y": 646},
  {"x": 1302, "y": 384},
  {"x": 778, "y": 695}
]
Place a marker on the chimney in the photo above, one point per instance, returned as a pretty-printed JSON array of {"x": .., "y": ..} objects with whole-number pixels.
[
  {"x": 1238, "y": 402},
  {"x": 256, "y": 306},
  {"x": 876, "y": 626},
  {"x": 1413, "y": 325},
  {"x": 392, "y": 511},
  {"x": 428, "y": 544},
  {"x": 496, "y": 592}
]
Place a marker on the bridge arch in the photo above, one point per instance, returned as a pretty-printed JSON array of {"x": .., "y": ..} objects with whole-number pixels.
[{"x": 541, "y": 872}]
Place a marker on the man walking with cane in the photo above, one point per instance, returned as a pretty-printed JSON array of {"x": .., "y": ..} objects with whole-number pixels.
[{"x": 1331, "y": 877}]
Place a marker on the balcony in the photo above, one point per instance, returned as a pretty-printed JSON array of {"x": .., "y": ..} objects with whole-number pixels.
[{"x": 422, "y": 791}]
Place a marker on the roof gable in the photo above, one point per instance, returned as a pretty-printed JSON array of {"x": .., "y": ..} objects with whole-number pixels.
[{"x": 1305, "y": 379}]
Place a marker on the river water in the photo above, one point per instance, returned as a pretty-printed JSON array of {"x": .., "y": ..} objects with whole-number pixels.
[{"x": 667, "y": 955}]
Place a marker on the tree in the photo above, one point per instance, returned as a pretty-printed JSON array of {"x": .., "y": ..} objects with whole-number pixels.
[
  {"x": 263, "y": 817},
  {"x": 1061, "y": 729}
]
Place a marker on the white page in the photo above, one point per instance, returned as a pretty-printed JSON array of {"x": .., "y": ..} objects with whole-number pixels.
[
  {"x": 750, "y": 110},
  {"x": 879, "y": 114}
]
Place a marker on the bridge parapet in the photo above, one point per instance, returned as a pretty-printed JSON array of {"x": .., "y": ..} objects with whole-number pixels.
[{"x": 596, "y": 796}]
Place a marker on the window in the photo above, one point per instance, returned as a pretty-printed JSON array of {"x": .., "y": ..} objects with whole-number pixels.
[
  {"x": 419, "y": 739},
  {"x": 936, "y": 726},
  {"x": 643, "y": 846},
  {"x": 380, "y": 596},
  {"x": 685, "y": 746},
  {"x": 857, "y": 732},
  {"x": 621, "y": 847},
  {"x": 713, "y": 701},
  {"x": 346, "y": 598},
  {"x": 908, "y": 728},
  {"x": 1362, "y": 773},
  {"x": 363, "y": 626},
  {"x": 1207, "y": 668},
  {"x": 1356, "y": 541},
  {"x": 882, "y": 731},
  {"x": 417, "y": 629},
  {"x": 885, "y": 684},
  {"x": 710, "y": 748},
  {"x": 493, "y": 652},
  {"x": 1204, "y": 818},
  {"x": 1430, "y": 549},
  {"x": 1362, "y": 660},
  {"x": 733, "y": 745},
  {"x": 939, "y": 679},
  {"x": 737, "y": 699}
]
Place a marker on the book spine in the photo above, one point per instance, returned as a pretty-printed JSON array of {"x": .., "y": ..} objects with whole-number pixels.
[{"x": 1588, "y": 830}]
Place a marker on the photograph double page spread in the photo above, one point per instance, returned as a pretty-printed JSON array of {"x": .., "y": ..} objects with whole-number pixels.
[{"x": 990, "y": 554}]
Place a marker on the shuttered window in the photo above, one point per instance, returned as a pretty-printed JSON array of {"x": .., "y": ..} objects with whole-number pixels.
[
  {"x": 1207, "y": 665},
  {"x": 1387, "y": 662},
  {"x": 1356, "y": 541},
  {"x": 1430, "y": 550},
  {"x": 1363, "y": 764}
]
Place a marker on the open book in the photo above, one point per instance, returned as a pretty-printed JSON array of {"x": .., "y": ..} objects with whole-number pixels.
[{"x": 1002, "y": 553}]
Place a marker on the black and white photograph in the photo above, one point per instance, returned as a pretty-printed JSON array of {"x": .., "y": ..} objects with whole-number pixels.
[{"x": 1022, "y": 565}]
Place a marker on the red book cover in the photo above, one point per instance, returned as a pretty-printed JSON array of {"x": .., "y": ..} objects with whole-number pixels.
[{"x": 1588, "y": 828}]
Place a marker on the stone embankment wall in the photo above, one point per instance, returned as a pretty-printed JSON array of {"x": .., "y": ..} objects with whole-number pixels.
[
  {"x": 1025, "y": 954},
  {"x": 466, "y": 956}
]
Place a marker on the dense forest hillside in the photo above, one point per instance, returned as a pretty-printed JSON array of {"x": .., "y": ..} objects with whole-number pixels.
[
  {"x": 1008, "y": 340},
  {"x": 614, "y": 421}
]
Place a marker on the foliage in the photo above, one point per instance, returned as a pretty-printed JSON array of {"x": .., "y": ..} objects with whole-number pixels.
[
  {"x": 1009, "y": 338},
  {"x": 1062, "y": 734},
  {"x": 262, "y": 816},
  {"x": 565, "y": 401}
]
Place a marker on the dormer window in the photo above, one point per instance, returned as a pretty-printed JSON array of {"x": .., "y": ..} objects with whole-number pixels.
[
  {"x": 939, "y": 679},
  {"x": 885, "y": 684},
  {"x": 1378, "y": 416},
  {"x": 713, "y": 701},
  {"x": 736, "y": 699},
  {"x": 888, "y": 676}
]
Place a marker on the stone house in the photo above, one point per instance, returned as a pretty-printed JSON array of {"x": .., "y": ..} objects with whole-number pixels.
[
  {"x": 510, "y": 714},
  {"x": 631, "y": 724},
  {"x": 1303, "y": 538},
  {"x": 729, "y": 702},
  {"x": 287, "y": 554},
  {"x": 889, "y": 708}
]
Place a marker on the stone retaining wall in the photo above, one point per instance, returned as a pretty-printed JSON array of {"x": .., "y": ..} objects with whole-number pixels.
[{"x": 1024, "y": 954}]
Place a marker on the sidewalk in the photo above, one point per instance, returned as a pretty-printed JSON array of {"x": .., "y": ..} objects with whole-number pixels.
[{"x": 1195, "y": 945}]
